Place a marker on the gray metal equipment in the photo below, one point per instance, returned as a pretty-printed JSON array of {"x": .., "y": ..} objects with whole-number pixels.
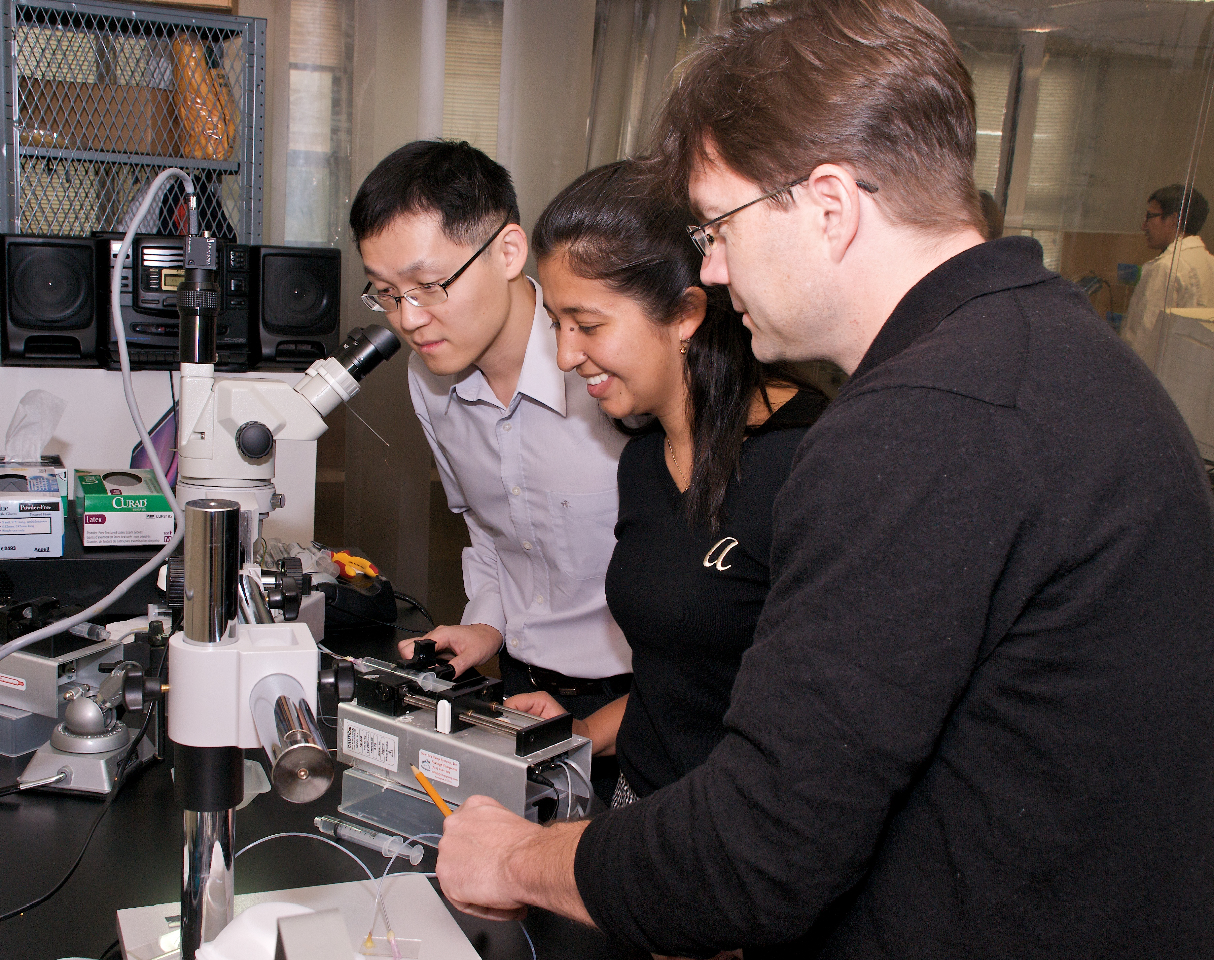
[
  {"x": 463, "y": 741},
  {"x": 84, "y": 750}
]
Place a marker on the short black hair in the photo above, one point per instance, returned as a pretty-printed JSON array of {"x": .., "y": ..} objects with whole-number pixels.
[
  {"x": 470, "y": 192},
  {"x": 1172, "y": 199}
]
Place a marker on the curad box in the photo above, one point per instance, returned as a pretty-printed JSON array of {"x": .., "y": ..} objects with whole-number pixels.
[{"x": 121, "y": 508}]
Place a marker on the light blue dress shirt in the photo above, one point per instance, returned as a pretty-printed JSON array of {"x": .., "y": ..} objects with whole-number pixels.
[{"x": 536, "y": 484}]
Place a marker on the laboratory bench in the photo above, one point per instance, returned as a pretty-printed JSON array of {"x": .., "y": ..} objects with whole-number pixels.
[{"x": 134, "y": 858}]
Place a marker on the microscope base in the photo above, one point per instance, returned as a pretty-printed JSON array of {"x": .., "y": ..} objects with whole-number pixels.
[
  {"x": 87, "y": 772},
  {"x": 416, "y": 910}
]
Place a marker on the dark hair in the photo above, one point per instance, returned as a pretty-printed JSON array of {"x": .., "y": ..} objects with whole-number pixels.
[
  {"x": 468, "y": 191},
  {"x": 613, "y": 226},
  {"x": 877, "y": 85},
  {"x": 1193, "y": 209}
]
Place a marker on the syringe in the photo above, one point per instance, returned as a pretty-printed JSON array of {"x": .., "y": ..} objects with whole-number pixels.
[{"x": 387, "y": 844}]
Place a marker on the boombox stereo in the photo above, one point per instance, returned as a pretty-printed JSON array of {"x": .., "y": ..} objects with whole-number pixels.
[
  {"x": 50, "y": 311},
  {"x": 295, "y": 315},
  {"x": 280, "y": 306},
  {"x": 148, "y": 296}
]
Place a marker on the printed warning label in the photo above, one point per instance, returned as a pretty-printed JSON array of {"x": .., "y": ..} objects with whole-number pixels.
[
  {"x": 373, "y": 746},
  {"x": 443, "y": 769}
]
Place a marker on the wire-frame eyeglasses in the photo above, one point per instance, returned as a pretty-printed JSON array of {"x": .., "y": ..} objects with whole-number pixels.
[{"x": 703, "y": 237}]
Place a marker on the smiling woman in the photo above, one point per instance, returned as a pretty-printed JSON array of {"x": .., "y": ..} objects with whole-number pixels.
[{"x": 620, "y": 279}]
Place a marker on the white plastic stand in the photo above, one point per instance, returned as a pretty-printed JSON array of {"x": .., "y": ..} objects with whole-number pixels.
[{"x": 415, "y": 908}]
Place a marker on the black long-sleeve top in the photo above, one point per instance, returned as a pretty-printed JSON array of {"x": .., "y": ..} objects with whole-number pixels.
[
  {"x": 687, "y": 597},
  {"x": 977, "y": 718}
]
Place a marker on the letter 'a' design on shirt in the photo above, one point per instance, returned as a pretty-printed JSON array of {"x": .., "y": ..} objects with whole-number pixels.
[{"x": 720, "y": 549}]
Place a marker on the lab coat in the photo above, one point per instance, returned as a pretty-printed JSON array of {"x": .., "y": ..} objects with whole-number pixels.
[{"x": 1192, "y": 285}]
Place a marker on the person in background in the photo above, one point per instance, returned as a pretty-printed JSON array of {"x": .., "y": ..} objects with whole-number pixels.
[
  {"x": 524, "y": 454},
  {"x": 1181, "y": 276},
  {"x": 689, "y": 573},
  {"x": 977, "y": 717}
]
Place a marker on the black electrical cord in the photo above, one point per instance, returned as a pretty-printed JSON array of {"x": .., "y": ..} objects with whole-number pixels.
[
  {"x": 121, "y": 773},
  {"x": 380, "y": 623},
  {"x": 416, "y": 605},
  {"x": 67, "y": 876}
]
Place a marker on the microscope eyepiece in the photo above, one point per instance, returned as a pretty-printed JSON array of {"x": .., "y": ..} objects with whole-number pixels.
[{"x": 366, "y": 348}]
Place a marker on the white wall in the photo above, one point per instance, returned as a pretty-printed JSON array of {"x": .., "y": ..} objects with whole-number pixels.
[{"x": 96, "y": 431}]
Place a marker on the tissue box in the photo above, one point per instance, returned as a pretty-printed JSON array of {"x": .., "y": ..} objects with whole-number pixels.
[
  {"x": 33, "y": 504},
  {"x": 47, "y": 466},
  {"x": 121, "y": 508}
]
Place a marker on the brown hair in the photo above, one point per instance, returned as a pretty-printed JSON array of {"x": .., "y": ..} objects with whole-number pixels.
[{"x": 876, "y": 85}]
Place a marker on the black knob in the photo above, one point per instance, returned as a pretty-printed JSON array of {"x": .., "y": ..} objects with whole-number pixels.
[
  {"x": 340, "y": 679},
  {"x": 290, "y": 598},
  {"x": 254, "y": 440}
]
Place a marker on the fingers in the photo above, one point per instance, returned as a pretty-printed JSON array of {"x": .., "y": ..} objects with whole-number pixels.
[
  {"x": 440, "y": 636},
  {"x": 542, "y": 705}
]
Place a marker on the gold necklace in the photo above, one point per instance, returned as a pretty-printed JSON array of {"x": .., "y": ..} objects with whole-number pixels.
[{"x": 675, "y": 461}]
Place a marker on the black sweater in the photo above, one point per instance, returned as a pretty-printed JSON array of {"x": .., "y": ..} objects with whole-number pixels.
[
  {"x": 688, "y": 599},
  {"x": 978, "y": 715}
]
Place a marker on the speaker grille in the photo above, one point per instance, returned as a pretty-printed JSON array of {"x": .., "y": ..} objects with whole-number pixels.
[
  {"x": 50, "y": 285},
  {"x": 299, "y": 293}
]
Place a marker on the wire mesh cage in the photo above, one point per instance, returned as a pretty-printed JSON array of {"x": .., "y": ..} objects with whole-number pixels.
[{"x": 100, "y": 98}]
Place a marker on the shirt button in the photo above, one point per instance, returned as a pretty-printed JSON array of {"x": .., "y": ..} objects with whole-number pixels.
[
  {"x": 514, "y": 642},
  {"x": 526, "y": 544},
  {"x": 515, "y": 490},
  {"x": 539, "y": 599},
  {"x": 506, "y": 428}
]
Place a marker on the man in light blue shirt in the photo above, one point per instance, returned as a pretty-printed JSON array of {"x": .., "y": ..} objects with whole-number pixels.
[{"x": 524, "y": 453}]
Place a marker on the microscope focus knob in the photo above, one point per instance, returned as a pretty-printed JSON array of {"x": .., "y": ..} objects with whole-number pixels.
[
  {"x": 174, "y": 586},
  {"x": 254, "y": 440}
]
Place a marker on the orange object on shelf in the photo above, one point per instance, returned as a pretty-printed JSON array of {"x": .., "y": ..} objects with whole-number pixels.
[{"x": 206, "y": 108}]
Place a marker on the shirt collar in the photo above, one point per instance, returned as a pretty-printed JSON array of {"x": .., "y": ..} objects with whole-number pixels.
[
  {"x": 982, "y": 269},
  {"x": 1191, "y": 242},
  {"x": 540, "y": 378}
]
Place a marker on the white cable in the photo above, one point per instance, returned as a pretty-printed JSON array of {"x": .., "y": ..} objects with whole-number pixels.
[
  {"x": 566, "y": 763},
  {"x": 309, "y": 836},
  {"x": 59, "y": 626}
]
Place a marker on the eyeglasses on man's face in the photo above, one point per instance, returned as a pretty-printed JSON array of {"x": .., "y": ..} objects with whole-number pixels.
[
  {"x": 424, "y": 294},
  {"x": 704, "y": 235}
]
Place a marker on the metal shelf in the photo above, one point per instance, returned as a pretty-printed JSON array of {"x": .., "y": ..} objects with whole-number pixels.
[
  {"x": 160, "y": 161},
  {"x": 98, "y": 98}
]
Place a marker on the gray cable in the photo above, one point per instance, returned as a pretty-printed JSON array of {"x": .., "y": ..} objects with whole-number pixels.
[{"x": 129, "y": 390}]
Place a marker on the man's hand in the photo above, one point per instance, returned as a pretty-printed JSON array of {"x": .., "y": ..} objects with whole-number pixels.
[
  {"x": 472, "y": 644},
  {"x": 492, "y": 863}
]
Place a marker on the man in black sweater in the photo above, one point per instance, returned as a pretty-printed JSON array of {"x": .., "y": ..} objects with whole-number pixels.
[{"x": 978, "y": 715}]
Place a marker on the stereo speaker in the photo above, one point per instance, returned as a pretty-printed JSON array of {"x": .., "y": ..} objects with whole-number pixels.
[
  {"x": 50, "y": 313},
  {"x": 296, "y": 310}
]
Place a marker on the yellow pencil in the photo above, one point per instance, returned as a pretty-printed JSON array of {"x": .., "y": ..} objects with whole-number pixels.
[{"x": 429, "y": 788}]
